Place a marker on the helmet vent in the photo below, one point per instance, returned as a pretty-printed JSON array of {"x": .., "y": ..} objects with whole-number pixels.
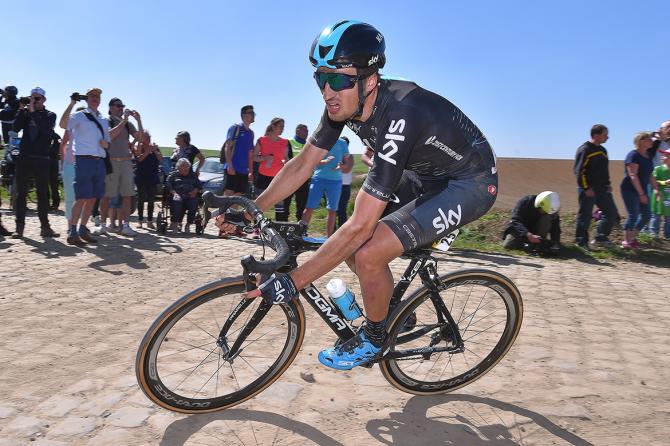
[
  {"x": 323, "y": 50},
  {"x": 339, "y": 23}
]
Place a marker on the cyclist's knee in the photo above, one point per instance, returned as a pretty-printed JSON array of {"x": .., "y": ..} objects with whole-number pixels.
[{"x": 369, "y": 258}]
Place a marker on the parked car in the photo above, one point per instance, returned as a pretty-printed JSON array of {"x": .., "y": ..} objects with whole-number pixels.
[{"x": 212, "y": 175}]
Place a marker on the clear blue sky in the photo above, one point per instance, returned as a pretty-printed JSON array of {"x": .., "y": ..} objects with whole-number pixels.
[{"x": 533, "y": 75}]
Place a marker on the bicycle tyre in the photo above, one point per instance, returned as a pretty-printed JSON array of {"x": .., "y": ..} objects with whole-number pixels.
[
  {"x": 508, "y": 300},
  {"x": 153, "y": 369}
]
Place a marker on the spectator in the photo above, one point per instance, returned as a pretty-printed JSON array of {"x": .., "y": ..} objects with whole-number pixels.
[
  {"x": 661, "y": 142},
  {"x": 347, "y": 176},
  {"x": 327, "y": 179},
  {"x": 186, "y": 150},
  {"x": 271, "y": 152},
  {"x": 37, "y": 124},
  {"x": 54, "y": 168},
  {"x": 660, "y": 200},
  {"x": 67, "y": 161},
  {"x": 593, "y": 184},
  {"x": 184, "y": 186},
  {"x": 89, "y": 132},
  {"x": 297, "y": 143},
  {"x": 9, "y": 105},
  {"x": 659, "y": 145},
  {"x": 238, "y": 152},
  {"x": 149, "y": 157},
  {"x": 638, "y": 175},
  {"x": 120, "y": 182},
  {"x": 534, "y": 217}
]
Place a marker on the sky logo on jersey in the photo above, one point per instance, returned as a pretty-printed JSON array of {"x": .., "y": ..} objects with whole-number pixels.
[
  {"x": 390, "y": 147},
  {"x": 448, "y": 220}
]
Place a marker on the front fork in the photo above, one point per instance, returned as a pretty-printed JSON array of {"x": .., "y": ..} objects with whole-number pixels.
[{"x": 231, "y": 352}]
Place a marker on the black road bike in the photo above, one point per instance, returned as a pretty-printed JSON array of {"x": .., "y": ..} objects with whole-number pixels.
[{"x": 213, "y": 349}]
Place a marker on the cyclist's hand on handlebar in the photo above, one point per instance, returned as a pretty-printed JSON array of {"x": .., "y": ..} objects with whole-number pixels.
[{"x": 279, "y": 288}]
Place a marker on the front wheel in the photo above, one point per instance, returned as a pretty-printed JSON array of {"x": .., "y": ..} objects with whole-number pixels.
[
  {"x": 434, "y": 356},
  {"x": 190, "y": 359}
]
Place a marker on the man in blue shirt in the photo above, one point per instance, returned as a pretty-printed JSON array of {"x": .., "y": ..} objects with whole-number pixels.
[
  {"x": 238, "y": 148},
  {"x": 327, "y": 179}
]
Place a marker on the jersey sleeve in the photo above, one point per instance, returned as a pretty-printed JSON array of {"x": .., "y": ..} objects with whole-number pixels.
[
  {"x": 392, "y": 149},
  {"x": 231, "y": 132},
  {"x": 326, "y": 134}
]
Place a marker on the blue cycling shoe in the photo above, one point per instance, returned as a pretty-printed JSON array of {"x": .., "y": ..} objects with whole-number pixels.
[{"x": 356, "y": 351}]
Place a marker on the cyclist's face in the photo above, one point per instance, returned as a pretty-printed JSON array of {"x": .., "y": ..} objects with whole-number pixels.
[{"x": 340, "y": 104}]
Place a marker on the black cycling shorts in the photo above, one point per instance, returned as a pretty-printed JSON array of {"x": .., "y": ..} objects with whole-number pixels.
[
  {"x": 439, "y": 209},
  {"x": 238, "y": 183}
]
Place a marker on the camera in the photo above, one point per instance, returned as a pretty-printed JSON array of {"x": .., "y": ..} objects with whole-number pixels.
[
  {"x": 25, "y": 100},
  {"x": 78, "y": 97}
]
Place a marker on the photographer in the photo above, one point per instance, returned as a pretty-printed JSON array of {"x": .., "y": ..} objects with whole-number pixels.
[
  {"x": 38, "y": 125},
  {"x": 120, "y": 182},
  {"x": 89, "y": 132},
  {"x": 9, "y": 105}
]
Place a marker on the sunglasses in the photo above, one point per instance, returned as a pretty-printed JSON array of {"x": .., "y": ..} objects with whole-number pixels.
[
  {"x": 249, "y": 112},
  {"x": 119, "y": 105},
  {"x": 36, "y": 98},
  {"x": 337, "y": 81}
]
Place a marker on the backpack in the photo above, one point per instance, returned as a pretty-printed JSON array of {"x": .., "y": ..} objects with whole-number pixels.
[{"x": 222, "y": 154}]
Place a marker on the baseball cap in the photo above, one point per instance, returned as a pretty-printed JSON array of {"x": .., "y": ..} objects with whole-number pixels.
[
  {"x": 247, "y": 108},
  {"x": 94, "y": 90},
  {"x": 116, "y": 101},
  {"x": 38, "y": 90}
]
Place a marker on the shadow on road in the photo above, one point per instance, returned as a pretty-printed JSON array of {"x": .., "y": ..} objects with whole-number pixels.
[
  {"x": 466, "y": 420},
  {"x": 180, "y": 431}
]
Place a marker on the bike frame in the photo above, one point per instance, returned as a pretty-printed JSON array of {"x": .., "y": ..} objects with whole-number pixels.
[{"x": 421, "y": 264}]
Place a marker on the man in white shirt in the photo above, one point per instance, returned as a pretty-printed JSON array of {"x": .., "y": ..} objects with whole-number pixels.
[{"x": 89, "y": 131}]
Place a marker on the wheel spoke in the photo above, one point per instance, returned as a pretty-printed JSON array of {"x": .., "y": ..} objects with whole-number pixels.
[
  {"x": 481, "y": 312},
  {"x": 189, "y": 365}
]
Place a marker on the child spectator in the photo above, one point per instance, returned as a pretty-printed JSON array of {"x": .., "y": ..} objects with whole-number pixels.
[{"x": 660, "y": 200}]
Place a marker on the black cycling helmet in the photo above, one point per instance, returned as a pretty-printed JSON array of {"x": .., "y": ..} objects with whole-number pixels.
[
  {"x": 349, "y": 44},
  {"x": 10, "y": 89}
]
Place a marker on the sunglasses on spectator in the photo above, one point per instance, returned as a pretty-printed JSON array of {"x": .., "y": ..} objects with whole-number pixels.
[
  {"x": 251, "y": 112},
  {"x": 337, "y": 81},
  {"x": 37, "y": 98},
  {"x": 119, "y": 105},
  {"x": 645, "y": 137}
]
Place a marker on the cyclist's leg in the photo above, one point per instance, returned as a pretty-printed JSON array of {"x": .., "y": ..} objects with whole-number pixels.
[{"x": 373, "y": 271}]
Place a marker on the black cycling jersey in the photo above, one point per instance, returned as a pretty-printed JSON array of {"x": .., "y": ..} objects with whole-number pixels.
[{"x": 414, "y": 129}]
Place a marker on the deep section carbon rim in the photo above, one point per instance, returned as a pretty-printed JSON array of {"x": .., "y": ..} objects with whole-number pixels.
[
  {"x": 185, "y": 365},
  {"x": 488, "y": 311}
]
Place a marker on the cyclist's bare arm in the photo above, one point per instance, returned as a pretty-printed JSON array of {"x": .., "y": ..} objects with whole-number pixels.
[
  {"x": 291, "y": 176},
  {"x": 342, "y": 244}
]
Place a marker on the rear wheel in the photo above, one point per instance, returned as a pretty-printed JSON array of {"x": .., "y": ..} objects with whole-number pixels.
[
  {"x": 187, "y": 363},
  {"x": 487, "y": 310}
]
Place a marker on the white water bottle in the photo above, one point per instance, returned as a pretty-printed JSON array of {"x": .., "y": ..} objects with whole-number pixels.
[{"x": 345, "y": 300}]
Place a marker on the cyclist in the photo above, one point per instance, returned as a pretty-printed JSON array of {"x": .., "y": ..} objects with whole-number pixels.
[{"x": 433, "y": 172}]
